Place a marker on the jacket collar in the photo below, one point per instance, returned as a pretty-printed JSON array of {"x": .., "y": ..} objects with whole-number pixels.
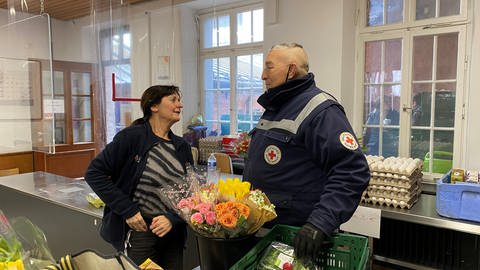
[{"x": 275, "y": 97}]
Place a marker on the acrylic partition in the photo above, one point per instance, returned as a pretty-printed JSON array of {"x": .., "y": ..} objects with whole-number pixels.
[{"x": 26, "y": 101}]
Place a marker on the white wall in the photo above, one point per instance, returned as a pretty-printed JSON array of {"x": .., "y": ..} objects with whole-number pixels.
[
  {"x": 472, "y": 145},
  {"x": 189, "y": 61},
  {"x": 325, "y": 29}
]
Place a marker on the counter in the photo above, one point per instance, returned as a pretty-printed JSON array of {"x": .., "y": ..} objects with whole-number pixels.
[
  {"x": 57, "y": 205},
  {"x": 424, "y": 212}
]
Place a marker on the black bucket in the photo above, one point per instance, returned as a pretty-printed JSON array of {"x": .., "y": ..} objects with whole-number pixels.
[{"x": 219, "y": 253}]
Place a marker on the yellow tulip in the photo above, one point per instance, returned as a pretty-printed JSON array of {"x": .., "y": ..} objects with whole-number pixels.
[{"x": 233, "y": 187}]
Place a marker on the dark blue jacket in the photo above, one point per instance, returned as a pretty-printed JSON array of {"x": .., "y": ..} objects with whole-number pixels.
[
  {"x": 116, "y": 171},
  {"x": 297, "y": 157}
]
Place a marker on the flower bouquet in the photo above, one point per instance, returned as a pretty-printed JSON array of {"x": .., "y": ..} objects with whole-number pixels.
[
  {"x": 228, "y": 209},
  {"x": 241, "y": 145}
]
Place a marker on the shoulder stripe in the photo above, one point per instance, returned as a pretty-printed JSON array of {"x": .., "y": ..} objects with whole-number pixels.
[{"x": 293, "y": 125}]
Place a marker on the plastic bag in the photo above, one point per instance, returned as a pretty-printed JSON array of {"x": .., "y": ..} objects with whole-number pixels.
[
  {"x": 280, "y": 256},
  {"x": 10, "y": 247}
]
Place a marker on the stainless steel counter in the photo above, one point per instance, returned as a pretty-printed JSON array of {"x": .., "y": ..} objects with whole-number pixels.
[
  {"x": 56, "y": 189},
  {"x": 57, "y": 205},
  {"x": 424, "y": 212}
]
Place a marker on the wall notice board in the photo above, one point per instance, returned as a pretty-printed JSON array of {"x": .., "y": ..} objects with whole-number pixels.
[{"x": 20, "y": 89}]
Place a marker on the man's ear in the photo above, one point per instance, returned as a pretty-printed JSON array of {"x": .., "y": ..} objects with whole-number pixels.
[{"x": 292, "y": 73}]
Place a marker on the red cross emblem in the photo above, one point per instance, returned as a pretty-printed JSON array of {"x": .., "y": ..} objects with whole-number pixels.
[
  {"x": 348, "y": 141},
  {"x": 272, "y": 154}
]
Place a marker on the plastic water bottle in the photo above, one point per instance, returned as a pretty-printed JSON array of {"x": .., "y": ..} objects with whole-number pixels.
[{"x": 212, "y": 169}]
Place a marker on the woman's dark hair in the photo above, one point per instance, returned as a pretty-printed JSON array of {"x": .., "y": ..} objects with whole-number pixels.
[{"x": 153, "y": 95}]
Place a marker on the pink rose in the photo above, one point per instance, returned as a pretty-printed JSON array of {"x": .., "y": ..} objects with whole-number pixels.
[
  {"x": 185, "y": 203},
  {"x": 203, "y": 207},
  {"x": 196, "y": 218},
  {"x": 210, "y": 218}
]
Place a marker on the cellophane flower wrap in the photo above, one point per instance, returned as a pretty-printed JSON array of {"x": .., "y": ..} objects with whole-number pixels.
[
  {"x": 240, "y": 146},
  {"x": 225, "y": 210}
]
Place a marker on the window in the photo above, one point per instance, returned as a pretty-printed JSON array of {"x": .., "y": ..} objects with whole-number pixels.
[
  {"x": 411, "y": 53},
  {"x": 72, "y": 94},
  {"x": 232, "y": 63},
  {"x": 116, "y": 51}
]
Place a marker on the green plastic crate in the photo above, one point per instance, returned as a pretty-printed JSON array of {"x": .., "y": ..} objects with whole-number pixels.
[{"x": 349, "y": 252}]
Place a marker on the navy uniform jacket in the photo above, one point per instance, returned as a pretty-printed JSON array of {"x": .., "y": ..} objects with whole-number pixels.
[{"x": 305, "y": 157}]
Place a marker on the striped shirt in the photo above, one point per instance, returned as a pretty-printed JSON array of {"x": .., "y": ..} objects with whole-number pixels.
[{"x": 163, "y": 169}]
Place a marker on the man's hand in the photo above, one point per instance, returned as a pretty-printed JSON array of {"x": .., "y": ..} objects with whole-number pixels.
[
  {"x": 161, "y": 225},
  {"x": 137, "y": 223},
  {"x": 308, "y": 242}
]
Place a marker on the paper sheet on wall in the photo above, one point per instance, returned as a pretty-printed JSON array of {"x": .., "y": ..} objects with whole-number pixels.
[{"x": 365, "y": 221}]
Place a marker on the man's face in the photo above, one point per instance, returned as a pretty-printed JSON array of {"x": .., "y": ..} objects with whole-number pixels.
[{"x": 275, "y": 69}]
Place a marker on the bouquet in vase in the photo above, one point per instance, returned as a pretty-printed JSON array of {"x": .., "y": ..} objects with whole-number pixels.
[{"x": 228, "y": 209}]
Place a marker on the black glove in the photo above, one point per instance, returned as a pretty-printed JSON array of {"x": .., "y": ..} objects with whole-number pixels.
[{"x": 308, "y": 243}]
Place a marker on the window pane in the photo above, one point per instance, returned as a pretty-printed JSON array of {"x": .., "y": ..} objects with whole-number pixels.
[
  {"x": 443, "y": 148},
  {"x": 106, "y": 48},
  {"x": 422, "y": 58},
  {"x": 390, "y": 142},
  {"x": 81, "y": 107},
  {"x": 244, "y": 27},
  {"x": 425, "y": 9},
  {"x": 371, "y": 117},
  {"x": 375, "y": 12},
  {"x": 419, "y": 143},
  {"x": 116, "y": 47},
  {"x": 428, "y": 8},
  {"x": 80, "y": 83},
  {"x": 224, "y": 30},
  {"x": 449, "y": 7},
  {"x": 394, "y": 11},
  {"x": 445, "y": 105},
  {"x": 126, "y": 46},
  {"x": 372, "y": 105},
  {"x": 373, "y": 60},
  {"x": 447, "y": 47},
  {"x": 393, "y": 60},
  {"x": 249, "y": 88},
  {"x": 421, "y": 104},
  {"x": 217, "y": 95},
  {"x": 258, "y": 25},
  {"x": 391, "y": 106},
  {"x": 209, "y": 33},
  {"x": 82, "y": 131},
  {"x": 58, "y": 83},
  {"x": 59, "y": 128}
]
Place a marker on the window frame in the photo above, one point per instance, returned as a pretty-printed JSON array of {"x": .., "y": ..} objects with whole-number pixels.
[
  {"x": 231, "y": 51},
  {"x": 409, "y": 8},
  {"x": 407, "y": 32}
]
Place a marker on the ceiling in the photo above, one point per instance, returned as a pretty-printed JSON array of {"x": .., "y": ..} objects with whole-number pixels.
[
  {"x": 72, "y": 9},
  {"x": 67, "y": 9}
]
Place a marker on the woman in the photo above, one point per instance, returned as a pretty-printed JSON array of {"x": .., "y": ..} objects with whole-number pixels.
[{"x": 128, "y": 175}]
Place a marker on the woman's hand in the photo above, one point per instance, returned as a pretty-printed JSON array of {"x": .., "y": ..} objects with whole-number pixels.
[
  {"x": 137, "y": 223},
  {"x": 160, "y": 226}
]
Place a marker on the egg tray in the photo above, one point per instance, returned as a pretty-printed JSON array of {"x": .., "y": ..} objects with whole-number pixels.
[
  {"x": 383, "y": 174},
  {"x": 391, "y": 203},
  {"x": 413, "y": 186},
  {"x": 393, "y": 182},
  {"x": 392, "y": 195}
]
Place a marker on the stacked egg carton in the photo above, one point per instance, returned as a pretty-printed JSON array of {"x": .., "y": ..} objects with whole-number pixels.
[
  {"x": 394, "y": 181},
  {"x": 208, "y": 145}
]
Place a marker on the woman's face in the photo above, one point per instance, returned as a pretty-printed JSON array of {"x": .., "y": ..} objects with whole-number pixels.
[{"x": 169, "y": 108}]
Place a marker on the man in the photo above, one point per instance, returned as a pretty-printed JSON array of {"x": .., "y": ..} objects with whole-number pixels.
[{"x": 303, "y": 153}]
